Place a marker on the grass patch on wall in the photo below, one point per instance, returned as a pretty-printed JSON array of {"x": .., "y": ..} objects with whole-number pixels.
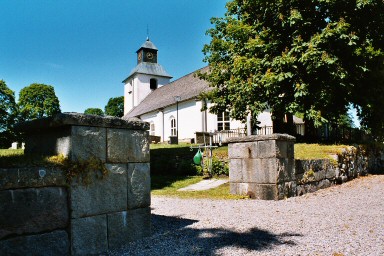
[{"x": 305, "y": 151}]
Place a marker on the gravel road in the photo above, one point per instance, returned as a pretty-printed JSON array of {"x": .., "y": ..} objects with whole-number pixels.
[{"x": 342, "y": 220}]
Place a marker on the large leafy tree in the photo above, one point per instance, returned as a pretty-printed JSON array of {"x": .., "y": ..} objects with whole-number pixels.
[
  {"x": 8, "y": 115},
  {"x": 94, "y": 111},
  {"x": 38, "y": 100},
  {"x": 313, "y": 57},
  {"x": 115, "y": 107}
]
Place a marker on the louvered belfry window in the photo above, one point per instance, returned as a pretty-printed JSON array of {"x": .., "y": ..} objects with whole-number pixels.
[{"x": 153, "y": 84}]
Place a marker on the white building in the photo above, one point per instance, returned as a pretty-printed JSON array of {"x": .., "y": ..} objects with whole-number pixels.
[{"x": 171, "y": 106}]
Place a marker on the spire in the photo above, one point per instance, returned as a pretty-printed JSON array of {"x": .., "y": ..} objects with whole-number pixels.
[
  {"x": 147, "y": 33},
  {"x": 148, "y": 45}
]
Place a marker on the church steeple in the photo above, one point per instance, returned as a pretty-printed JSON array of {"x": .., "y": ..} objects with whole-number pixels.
[
  {"x": 147, "y": 76},
  {"x": 147, "y": 52}
]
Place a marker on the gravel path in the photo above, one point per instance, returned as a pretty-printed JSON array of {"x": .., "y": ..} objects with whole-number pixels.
[{"x": 341, "y": 220}]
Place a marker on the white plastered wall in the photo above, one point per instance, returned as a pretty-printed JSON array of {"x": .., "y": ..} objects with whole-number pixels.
[
  {"x": 265, "y": 118},
  {"x": 139, "y": 86},
  {"x": 191, "y": 120}
]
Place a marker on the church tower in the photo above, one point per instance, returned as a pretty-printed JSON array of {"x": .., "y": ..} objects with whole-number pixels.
[{"x": 146, "y": 77}]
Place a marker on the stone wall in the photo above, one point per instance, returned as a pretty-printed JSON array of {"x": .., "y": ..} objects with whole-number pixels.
[
  {"x": 312, "y": 175},
  {"x": 263, "y": 167},
  {"x": 34, "y": 212},
  {"x": 53, "y": 216}
]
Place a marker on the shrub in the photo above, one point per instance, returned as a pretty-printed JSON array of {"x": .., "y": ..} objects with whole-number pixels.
[{"x": 219, "y": 167}]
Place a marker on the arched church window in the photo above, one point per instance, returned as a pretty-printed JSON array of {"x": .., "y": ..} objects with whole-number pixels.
[
  {"x": 173, "y": 126},
  {"x": 152, "y": 128},
  {"x": 153, "y": 84}
]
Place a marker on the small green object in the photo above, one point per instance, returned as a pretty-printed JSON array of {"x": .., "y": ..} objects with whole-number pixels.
[{"x": 198, "y": 157}]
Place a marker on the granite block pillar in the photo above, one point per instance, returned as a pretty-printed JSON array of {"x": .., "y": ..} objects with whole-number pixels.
[
  {"x": 107, "y": 213},
  {"x": 261, "y": 166}
]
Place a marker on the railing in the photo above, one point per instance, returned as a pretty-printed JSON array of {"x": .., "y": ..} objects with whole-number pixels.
[
  {"x": 300, "y": 129},
  {"x": 335, "y": 133},
  {"x": 220, "y": 137},
  {"x": 326, "y": 133},
  {"x": 264, "y": 130}
]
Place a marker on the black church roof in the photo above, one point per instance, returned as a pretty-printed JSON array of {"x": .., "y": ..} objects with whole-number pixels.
[
  {"x": 187, "y": 87},
  {"x": 148, "y": 45},
  {"x": 148, "y": 68}
]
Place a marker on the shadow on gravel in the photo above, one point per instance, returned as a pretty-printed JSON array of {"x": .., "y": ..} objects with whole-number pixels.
[{"x": 174, "y": 236}]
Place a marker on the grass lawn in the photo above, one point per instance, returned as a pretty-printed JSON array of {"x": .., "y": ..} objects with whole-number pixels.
[
  {"x": 15, "y": 158},
  {"x": 166, "y": 145},
  {"x": 12, "y": 158},
  {"x": 168, "y": 186},
  {"x": 11, "y": 152}
]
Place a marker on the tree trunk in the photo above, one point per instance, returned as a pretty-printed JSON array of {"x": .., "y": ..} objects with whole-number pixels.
[
  {"x": 310, "y": 131},
  {"x": 291, "y": 127},
  {"x": 278, "y": 122}
]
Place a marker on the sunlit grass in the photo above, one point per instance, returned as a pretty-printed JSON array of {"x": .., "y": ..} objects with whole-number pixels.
[
  {"x": 11, "y": 152},
  {"x": 168, "y": 186},
  {"x": 16, "y": 158},
  {"x": 13, "y": 158},
  {"x": 166, "y": 145},
  {"x": 317, "y": 151}
]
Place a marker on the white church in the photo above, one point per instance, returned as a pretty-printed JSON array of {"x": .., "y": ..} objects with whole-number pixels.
[{"x": 174, "y": 108}]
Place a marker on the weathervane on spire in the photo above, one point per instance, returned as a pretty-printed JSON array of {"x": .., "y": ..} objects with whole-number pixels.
[{"x": 147, "y": 33}]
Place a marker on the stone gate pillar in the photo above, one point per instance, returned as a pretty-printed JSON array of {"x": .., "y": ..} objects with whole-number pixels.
[
  {"x": 108, "y": 212},
  {"x": 262, "y": 166}
]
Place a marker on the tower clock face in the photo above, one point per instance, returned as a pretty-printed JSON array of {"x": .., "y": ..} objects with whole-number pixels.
[
  {"x": 149, "y": 55},
  {"x": 139, "y": 56}
]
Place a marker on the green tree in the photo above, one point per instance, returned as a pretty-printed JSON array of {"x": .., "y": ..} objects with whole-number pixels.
[
  {"x": 8, "y": 115},
  {"x": 38, "y": 100},
  {"x": 115, "y": 107},
  {"x": 313, "y": 57},
  {"x": 94, "y": 111}
]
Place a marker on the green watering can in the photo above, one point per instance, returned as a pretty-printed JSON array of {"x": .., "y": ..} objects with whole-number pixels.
[{"x": 198, "y": 157}]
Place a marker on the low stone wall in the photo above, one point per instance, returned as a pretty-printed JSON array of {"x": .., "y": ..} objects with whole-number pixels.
[
  {"x": 375, "y": 155},
  {"x": 312, "y": 175},
  {"x": 42, "y": 214},
  {"x": 263, "y": 167}
]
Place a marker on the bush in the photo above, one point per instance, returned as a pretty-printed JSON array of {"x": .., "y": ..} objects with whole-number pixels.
[
  {"x": 166, "y": 160},
  {"x": 219, "y": 167},
  {"x": 173, "y": 161}
]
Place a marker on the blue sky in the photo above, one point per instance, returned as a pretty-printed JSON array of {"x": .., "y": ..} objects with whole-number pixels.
[{"x": 85, "y": 48}]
